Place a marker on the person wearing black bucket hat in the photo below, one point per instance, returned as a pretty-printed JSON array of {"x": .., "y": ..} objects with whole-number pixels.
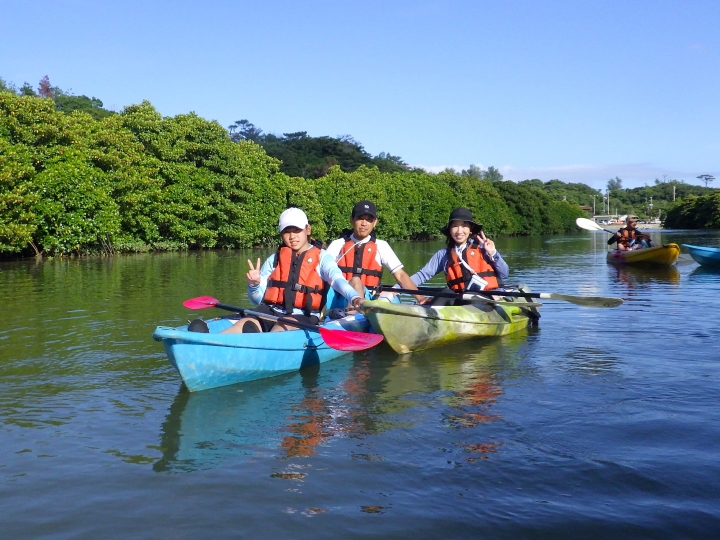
[
  {"x": 470, "y": 260},
  {"x": 362, "y": 257},
  {"x": 462, "y": 214}
]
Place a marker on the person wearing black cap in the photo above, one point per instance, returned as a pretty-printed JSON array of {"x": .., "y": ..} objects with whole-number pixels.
[
  {"x": 361, "y": 256},
  {"x": 470, "y": 260}
]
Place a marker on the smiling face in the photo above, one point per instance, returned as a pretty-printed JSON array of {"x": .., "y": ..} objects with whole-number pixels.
[
  {"x": 459, "y": 231},
  {"x": 363, "y": 225},
  {"x": 296, "y": 238},
  {"x": 631, "y": 223}
]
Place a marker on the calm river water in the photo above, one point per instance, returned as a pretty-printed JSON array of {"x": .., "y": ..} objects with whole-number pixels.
[{"x": 599, "y": 423}]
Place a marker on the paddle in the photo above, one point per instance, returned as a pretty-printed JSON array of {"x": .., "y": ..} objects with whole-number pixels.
[
  {"x": 587, "y": 301},
  {"x": 590, "y": 225},
  {"x": 474, "y": 296},
  {"x": 342, "y": 340}
]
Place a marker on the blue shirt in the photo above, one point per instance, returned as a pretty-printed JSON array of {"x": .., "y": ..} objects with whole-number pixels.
[
  {"x": 439, "y": 262},
  {"x": 327, "y": 268}
]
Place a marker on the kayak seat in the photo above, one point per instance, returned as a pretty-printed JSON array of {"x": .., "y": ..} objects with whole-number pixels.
[
  {"x": 249, "y": 327},
  {"x": 336, "y": 313},
  {"x": 198, "y": 325}
]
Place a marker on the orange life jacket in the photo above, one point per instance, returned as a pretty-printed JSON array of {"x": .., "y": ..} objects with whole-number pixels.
[
  {"x": 295, "y": 282},
  {"x": 626, "y": 236},
  {"x": 458, "y": 276},
  {"x": 359, "y": 260}
]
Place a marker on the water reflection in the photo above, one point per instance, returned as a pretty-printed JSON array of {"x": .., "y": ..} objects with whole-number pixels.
[
  {"x": 705, "y": 275},
  {"x": 641, "y": 277},
  {"x": 293, "y": 416},
  {"x": 294, "y": 413}
]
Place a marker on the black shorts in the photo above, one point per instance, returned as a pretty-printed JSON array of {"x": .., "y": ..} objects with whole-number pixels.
[{"x": 267, "y": 325}]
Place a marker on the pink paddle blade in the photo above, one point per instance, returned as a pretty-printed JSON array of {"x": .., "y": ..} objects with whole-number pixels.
[
  {"x": 344, "y": 340},
  {"x": 201, "y": 302}
]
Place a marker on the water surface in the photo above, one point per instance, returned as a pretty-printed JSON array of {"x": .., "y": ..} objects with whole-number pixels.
[{"x": 596, "y": 424}]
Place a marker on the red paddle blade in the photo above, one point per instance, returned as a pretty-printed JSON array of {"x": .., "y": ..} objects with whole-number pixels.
[
  {"x": 201, "y": 302},
  {"x": 344, "y": 340}
]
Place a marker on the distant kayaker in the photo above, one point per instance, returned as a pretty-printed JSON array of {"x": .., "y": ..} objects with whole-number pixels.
[
  {"x": 361, "y": 256},
  {"x": 629, "y": 237},
  {"x": 470, "y": 261},
  {"x": 294, "y": 280}
]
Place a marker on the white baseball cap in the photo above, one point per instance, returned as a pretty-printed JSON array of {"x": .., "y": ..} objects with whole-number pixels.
[{"x": 292, "y": 217}]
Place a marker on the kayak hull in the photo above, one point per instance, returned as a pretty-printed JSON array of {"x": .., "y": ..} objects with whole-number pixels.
[
  {"x": 210, "y": 360},
  {"x": 706, "y": 256},
  {"x": 409, "y": 328},
  {"x": 665, "y": 254}
]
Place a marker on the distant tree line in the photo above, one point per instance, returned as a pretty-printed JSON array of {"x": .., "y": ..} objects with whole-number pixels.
[
  {"x": 313, "y": 157},
  {"x": 64, "y": 101},
  {"x": 137, "y": 181},
  {"x": 75, "y": 180}
]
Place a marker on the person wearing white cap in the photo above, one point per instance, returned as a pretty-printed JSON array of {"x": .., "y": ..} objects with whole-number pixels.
[
  {"x": 362, "y": 257},
  {"x": 294, "y": 280}
]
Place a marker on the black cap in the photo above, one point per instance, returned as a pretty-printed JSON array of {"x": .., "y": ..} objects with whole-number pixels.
[
  {"x": 364, "y": 207},
  {"x": 462, "y": 214}
]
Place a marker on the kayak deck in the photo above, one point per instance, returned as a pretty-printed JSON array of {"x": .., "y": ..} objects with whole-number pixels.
[{"x": 409, "y": 328}]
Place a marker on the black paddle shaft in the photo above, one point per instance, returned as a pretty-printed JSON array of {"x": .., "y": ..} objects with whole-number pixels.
[
  {"x": 284, "y": 320},
  {"x": 430, "y": 291}
]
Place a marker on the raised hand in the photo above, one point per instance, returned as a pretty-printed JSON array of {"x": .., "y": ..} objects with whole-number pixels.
[
  {"x": 253, "y": 275},
  {"x": 488, "y": 244}
]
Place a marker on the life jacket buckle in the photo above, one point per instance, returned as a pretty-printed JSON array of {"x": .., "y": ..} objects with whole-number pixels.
[{"x": 297, "y": 287}]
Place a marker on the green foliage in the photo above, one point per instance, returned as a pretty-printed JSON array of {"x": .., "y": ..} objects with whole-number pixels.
[
  {"x": 313, "y": 157},
  {"x": 206, "y": 190},
  {"x": 534, "y": 210},
  {"x": 75, "y": 182},
  {"x": 74, "y": 208},
  {"x": 571, "y": 192},
  {"x": 614, "y": 184},
  {"x": 491, "y": 174},
  {"x": 92, "y": 106},
  {"x": 695, "y": 212},
  {"x": 27, "y": 90}
]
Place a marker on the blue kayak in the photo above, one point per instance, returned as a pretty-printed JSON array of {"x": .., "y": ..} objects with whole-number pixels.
[
  {"x": 707, "y": 256},
  {"x": 211, "y": 360}
]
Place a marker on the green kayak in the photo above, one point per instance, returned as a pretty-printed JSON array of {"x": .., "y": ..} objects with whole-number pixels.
[{"x": 409, "y": 327}]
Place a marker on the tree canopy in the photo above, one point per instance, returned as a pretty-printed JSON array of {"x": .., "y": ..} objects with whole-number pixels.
[
  {"x": 312, "y": 157},
  {"x": 76, "y": 178}
]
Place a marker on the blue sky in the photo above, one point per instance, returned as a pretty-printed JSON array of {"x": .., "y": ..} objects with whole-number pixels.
[{"x": 576, "y": 90}]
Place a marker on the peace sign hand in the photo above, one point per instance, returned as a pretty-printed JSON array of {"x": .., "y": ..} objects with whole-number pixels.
[
  {"x": 488, "y": 244},
  {"x": 253, "y": 275}
]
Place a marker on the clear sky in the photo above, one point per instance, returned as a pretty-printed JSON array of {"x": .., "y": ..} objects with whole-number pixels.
[{"x": 578, "y": 90}]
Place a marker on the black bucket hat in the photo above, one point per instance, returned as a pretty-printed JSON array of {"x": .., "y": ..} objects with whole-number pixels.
[{"x": 462, "y": 214}]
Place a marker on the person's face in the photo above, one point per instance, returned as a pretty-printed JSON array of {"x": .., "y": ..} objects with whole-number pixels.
[
  {"x": 295, "y": 238},
  {"x": 631, "y": 223},
  {"x": 459, "y": 231},
  {"x": 363, "y": 225}
]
